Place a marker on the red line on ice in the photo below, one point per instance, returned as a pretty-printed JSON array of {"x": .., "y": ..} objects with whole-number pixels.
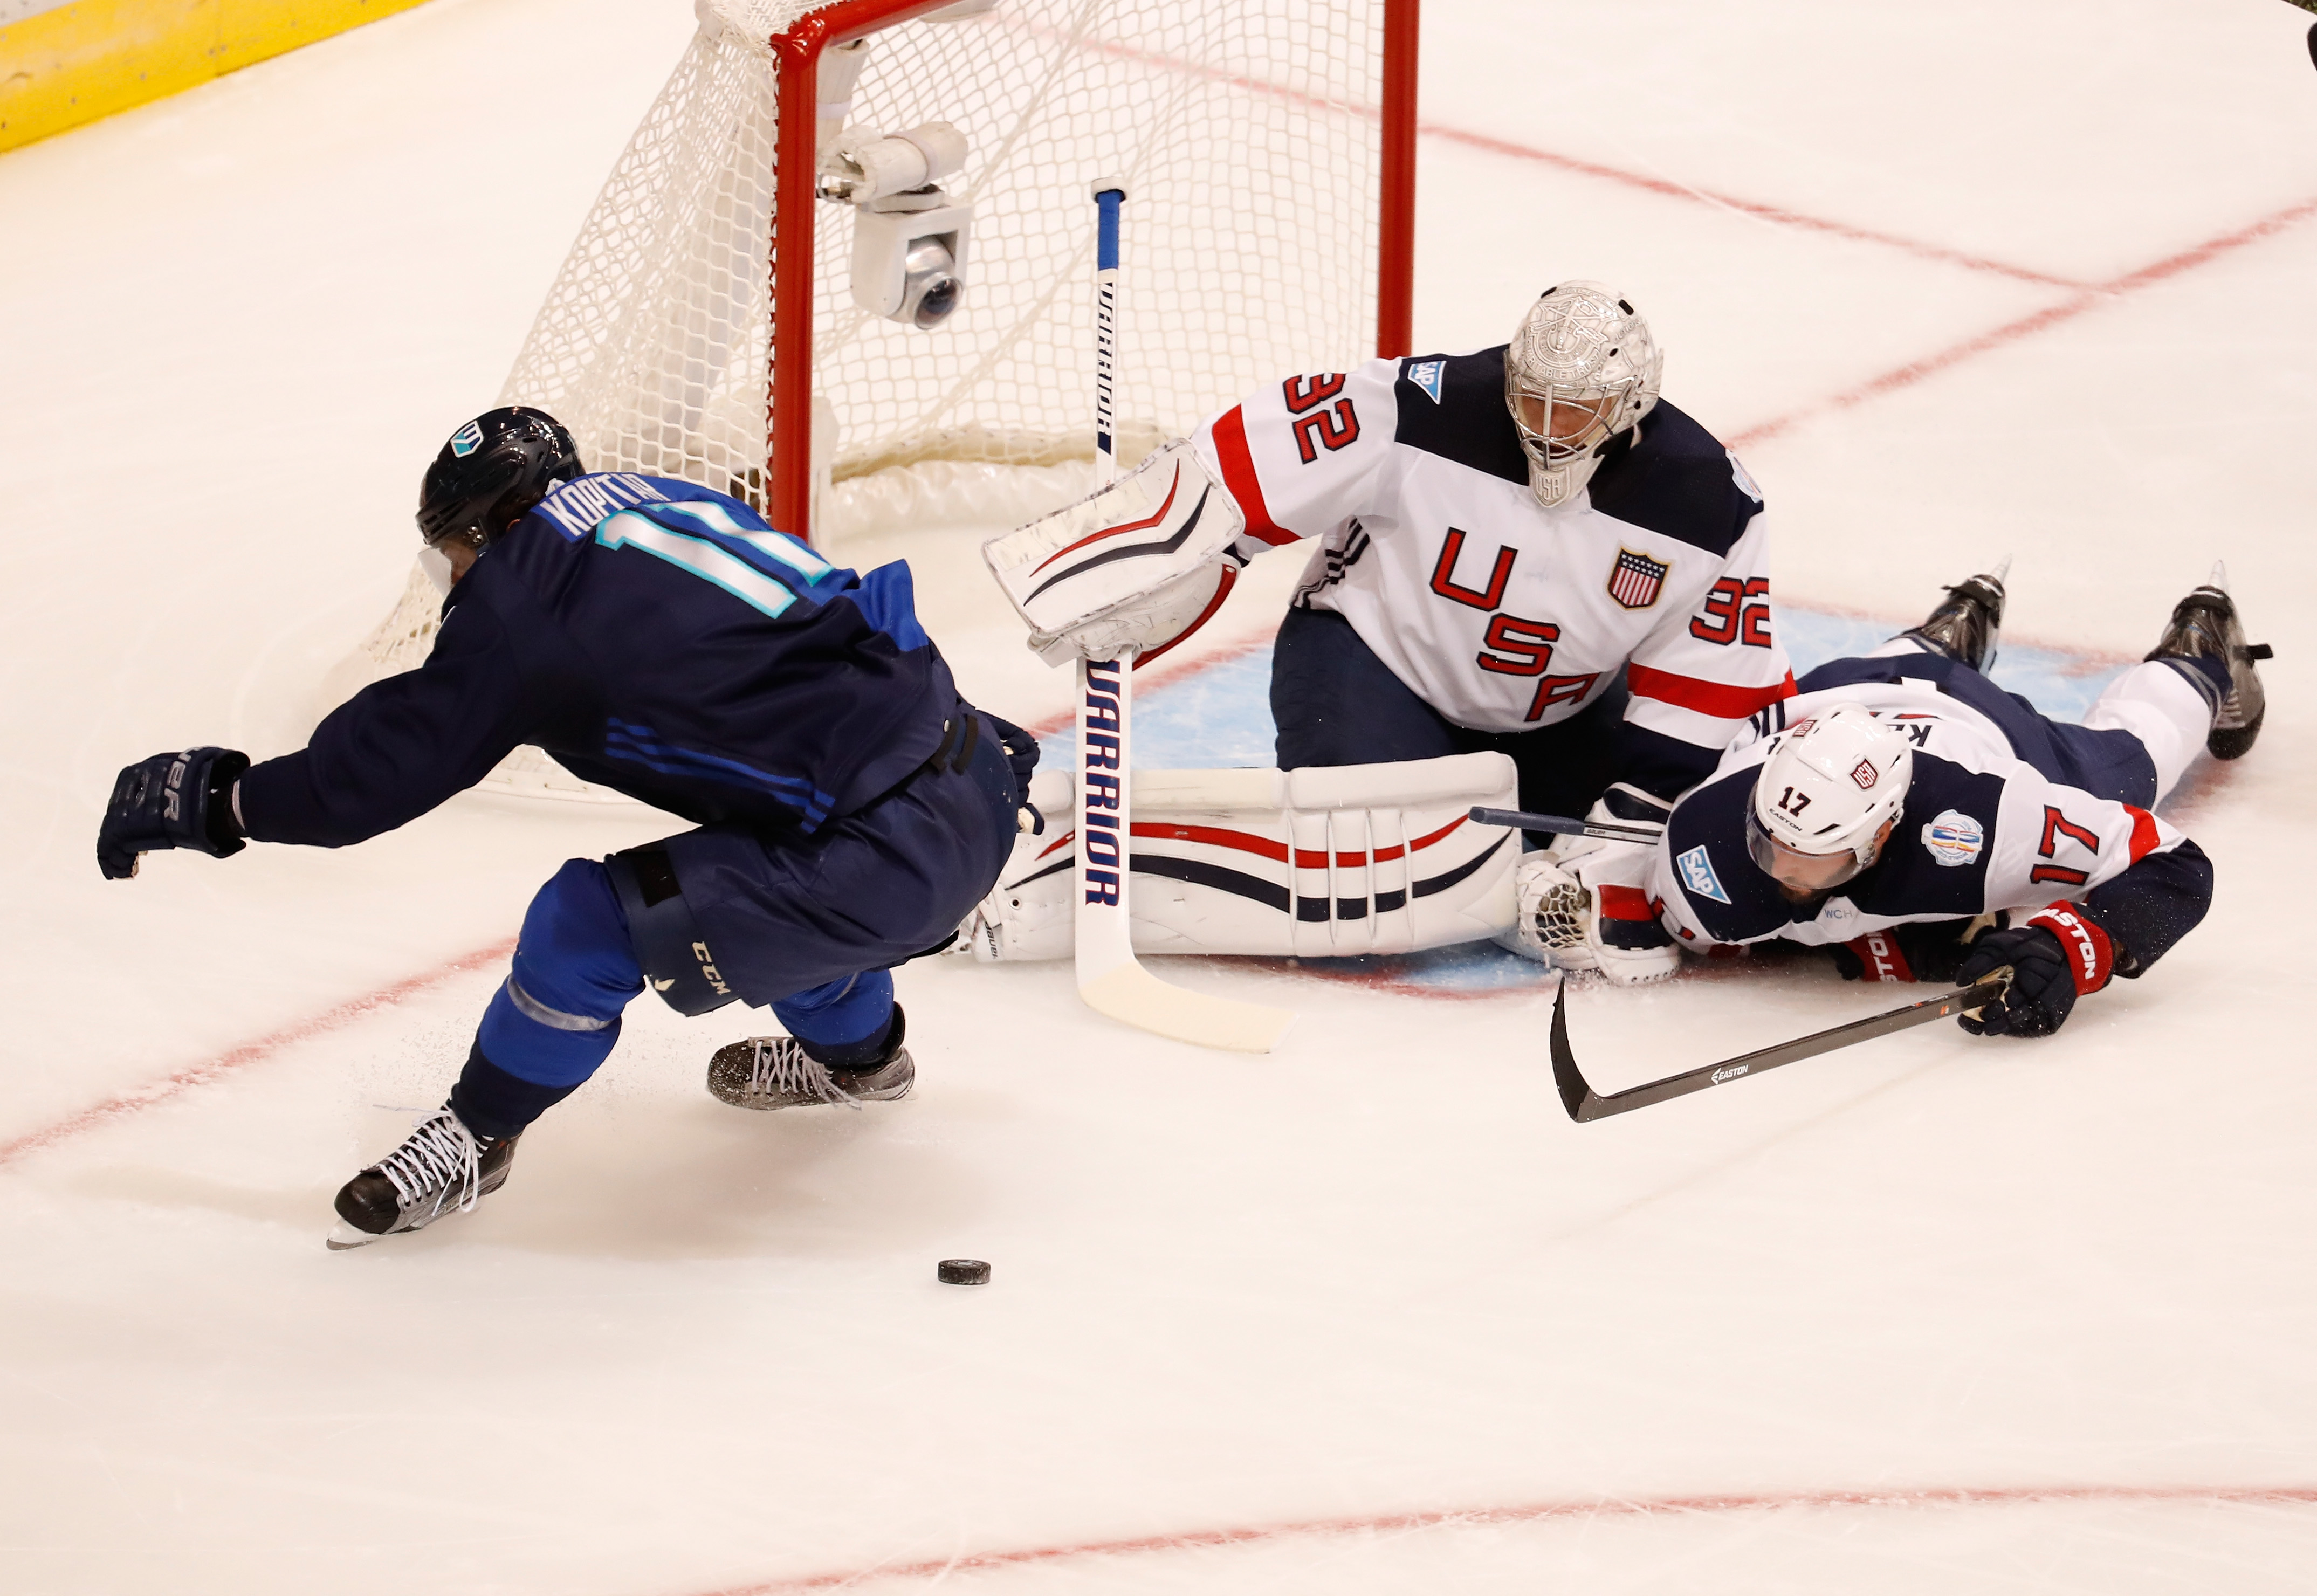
[
  {"x": 1756, "y": 208},
  {"x": 2052, "y": 316},
  {"x": 1529, "y": 1514},
  {"x": 212, "y": 1070},
  {"x": 1664, "y": 187}
]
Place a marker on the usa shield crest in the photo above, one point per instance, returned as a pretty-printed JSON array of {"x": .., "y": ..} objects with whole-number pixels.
[{"x": 1636, "y": 579}]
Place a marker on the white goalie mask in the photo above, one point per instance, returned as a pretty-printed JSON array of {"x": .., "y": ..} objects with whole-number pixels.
[
  {"x": 1825, "y": 798},
  {"x": 1581, "y": 369}
]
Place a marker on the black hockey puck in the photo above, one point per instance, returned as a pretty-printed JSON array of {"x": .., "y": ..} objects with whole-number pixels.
[{"x": 962, "y": 1271}]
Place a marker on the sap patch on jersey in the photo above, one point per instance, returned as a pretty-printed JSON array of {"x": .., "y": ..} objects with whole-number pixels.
[
  {"x": 1697, "y": 875},
  {"x": 1636, "y": 579},
  {"x": 1954, "y": 838},
  {"x": 1425, "y": 374}
]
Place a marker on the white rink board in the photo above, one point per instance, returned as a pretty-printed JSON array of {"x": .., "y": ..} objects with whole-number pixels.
[{"x": 1367, "y": 1315}]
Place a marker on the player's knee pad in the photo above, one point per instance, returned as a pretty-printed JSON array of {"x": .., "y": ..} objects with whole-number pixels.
[{"x": 668, "y": 943}]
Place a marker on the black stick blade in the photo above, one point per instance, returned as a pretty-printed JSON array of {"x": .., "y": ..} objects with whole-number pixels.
[
  {"x": 1584, "y": 1104},
  {"x": 1576, "y": 1096}
]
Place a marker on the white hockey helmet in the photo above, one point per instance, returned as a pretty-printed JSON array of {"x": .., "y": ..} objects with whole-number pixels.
[
  {"x": 1825, "y": 798},
  {"x": 1581, "y": 369}
]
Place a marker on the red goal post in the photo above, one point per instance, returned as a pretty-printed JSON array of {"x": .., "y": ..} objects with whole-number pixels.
[
  {"x": 799, "y": 48},
  {"x": 704, "y": 324}
]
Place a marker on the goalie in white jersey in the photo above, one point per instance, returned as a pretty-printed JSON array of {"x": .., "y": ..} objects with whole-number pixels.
[
  {"x": 1520, "y": 548},
  {"x": 1924, "y": 824}
]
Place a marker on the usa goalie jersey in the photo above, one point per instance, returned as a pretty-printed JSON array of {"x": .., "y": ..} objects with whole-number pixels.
[{"x": 1501, "y": 613}]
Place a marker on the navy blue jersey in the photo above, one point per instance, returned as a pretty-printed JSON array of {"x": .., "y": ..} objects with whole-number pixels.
[
  {"x": 2006, "y": 810},
  {"x": 657, "y": 638}
]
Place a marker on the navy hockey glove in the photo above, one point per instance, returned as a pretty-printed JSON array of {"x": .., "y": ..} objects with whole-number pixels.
[
  {"x": 1927, "y": 951},
  {"x": 2057, "y": 954},
  {"x": 171, "y": 801}
]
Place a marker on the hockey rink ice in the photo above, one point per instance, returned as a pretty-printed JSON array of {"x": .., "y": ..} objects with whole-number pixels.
[{"x": 1367, "y": 1315}]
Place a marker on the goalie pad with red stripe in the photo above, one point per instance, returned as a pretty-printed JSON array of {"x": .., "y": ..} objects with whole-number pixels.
[
  {"x": 1138, "y": 567},
  {"x": 1330, "y": 862}
]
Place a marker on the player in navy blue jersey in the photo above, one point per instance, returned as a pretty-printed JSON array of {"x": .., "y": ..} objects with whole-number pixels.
[
  {"x": 1910, "y": 815},
  {"x": 659, "y": 639}
]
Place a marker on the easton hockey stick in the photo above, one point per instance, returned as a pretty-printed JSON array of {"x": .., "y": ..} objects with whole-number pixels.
[
  {"x": 1110, "y": 979},
  {"x": 1561, "y": 825},
  {"x": 1584, "y": 1103}
]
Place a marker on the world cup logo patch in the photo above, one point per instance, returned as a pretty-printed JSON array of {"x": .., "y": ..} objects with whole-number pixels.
[{"x": 1636, "y": 579}]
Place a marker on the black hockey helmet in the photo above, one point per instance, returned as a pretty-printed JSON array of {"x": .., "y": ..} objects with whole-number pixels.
[{"x": 490, "y": 474}]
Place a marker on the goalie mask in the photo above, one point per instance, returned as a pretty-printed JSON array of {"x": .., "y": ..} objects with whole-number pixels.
[
  {"x": 1581, "y": 370},
  {"x": 1827, "y": 797},
  {"x": 491, "y": 473}
]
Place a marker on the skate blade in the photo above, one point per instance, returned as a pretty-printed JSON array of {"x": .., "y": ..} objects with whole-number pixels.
[{"x": 345, "y": 1238}]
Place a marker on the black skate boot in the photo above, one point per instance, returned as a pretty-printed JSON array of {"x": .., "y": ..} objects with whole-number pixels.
[
  {"x": 442, "y": 1169},
  {"x": 2205, "y": 625},
  {"x": 1965, "y": 627},
  {"x": 776, "y": 1073}
]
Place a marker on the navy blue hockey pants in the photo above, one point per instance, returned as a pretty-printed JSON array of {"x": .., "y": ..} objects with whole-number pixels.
[
  {"x": 809, "y": 926},
  {"x": 1335, "y": 702}
]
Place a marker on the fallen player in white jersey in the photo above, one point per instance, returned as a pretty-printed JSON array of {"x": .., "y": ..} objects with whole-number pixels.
[
  {"x": 1520, "y": 550},
  {"x": 1923, "y": 824}
]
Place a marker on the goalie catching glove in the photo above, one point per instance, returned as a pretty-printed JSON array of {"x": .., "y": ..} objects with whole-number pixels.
[
  {"x": 1583, "y": 904},
  {"x": 1137, "y": 568}
]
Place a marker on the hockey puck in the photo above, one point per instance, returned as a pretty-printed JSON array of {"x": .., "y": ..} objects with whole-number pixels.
[{"x": 962, "y": 1271}]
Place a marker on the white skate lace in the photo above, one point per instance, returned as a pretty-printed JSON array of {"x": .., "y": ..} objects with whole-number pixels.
[
  {"x": 778, "y": 1064},
  {"x": 441, "y": 1155}
]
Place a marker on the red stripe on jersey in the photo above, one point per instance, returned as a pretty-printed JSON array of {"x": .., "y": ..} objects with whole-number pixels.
[
  {"x": 1625, "y": 904},
  {"x": 1238, "y": 477},
  {"x": 1718, "y": 699},
  {"x": 2144, "y": 832}
]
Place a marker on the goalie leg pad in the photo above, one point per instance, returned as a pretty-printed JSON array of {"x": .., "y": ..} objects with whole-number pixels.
[{"x": 1320, "y": 862}]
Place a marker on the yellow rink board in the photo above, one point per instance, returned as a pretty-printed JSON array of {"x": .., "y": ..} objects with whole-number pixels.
[{"x": 88, "y": 59}]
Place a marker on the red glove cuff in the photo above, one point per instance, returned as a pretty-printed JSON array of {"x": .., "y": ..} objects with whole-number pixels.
[
  {"x": 1625, "y": 904},
  {"x": 2092, "y": 958},
  {"x": 1879, "y": 958}
]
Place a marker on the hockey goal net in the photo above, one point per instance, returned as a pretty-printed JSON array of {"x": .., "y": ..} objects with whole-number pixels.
[{"x": 704, "y": 324}]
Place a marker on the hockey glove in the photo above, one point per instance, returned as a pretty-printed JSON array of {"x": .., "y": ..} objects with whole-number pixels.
[
  {"x": 1139, "y": 565},
  {"x": 171, "y": 801},
  {"x": 1630, "y": 944},
  {"x": 2056, "y": 955},
  {"x": 1927, "y": 951}
]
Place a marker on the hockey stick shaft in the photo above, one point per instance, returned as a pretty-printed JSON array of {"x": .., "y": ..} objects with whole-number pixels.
[
  {"x": 1585, "y": 1104},
  {"x": 1561, "y": 825},
  {"x": 1111, "y": 981}
]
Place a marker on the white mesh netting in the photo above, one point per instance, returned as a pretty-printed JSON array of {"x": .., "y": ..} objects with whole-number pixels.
[{"x": 1246, "y": 131}]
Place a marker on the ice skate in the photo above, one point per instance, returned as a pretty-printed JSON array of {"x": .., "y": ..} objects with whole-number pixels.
[
  {"x": 2205, "y": 624},
  {"x": 442, "y": 1169},
  {"x": 1965, "y": 624},
  {"x": 776, "y": 1073}
]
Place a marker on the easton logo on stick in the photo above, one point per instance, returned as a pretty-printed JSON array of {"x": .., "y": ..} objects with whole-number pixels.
[
  {"x": 1101, "y": 858},
  {"x": 1636, "y": 579}
]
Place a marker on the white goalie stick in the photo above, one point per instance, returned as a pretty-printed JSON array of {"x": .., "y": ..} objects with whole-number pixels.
[{"x": 1110, "y": 979}]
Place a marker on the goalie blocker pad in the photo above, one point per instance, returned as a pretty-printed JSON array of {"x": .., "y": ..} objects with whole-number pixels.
[
  {"x": 1330, "y": 862},
  {"x": 1138, "y": 567}
]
